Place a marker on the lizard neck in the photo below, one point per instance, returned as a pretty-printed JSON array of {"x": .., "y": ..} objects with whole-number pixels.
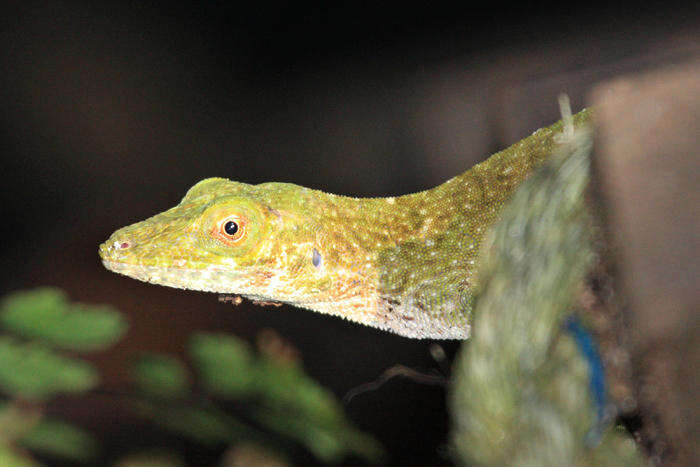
[{"x": 414, "y": 257}]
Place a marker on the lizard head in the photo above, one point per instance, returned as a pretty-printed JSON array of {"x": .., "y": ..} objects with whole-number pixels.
[
  {"x": 369, "y": 260},
  {"x": 228, "y": 237}
]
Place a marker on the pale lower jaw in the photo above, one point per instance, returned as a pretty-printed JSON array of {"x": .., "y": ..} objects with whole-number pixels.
[{"x": 195, "y": 279}]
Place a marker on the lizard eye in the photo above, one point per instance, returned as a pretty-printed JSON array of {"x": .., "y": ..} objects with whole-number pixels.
[
  {"x": 233, "y": 226},
  {"x": 231, "y": 229}
]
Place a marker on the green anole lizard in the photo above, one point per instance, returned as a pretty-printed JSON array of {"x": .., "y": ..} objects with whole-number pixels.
[{"x": 404, "y": 264}]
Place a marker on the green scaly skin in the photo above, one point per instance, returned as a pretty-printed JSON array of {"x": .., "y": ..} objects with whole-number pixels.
[{"x": 403, "y": 264}]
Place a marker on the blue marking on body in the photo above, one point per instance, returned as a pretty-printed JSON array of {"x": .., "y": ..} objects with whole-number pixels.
[
  {"x": 316, "y": 258},
  {"x": 588, "y": 348}
]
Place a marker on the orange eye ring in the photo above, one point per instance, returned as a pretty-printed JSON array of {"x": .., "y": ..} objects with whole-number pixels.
[{"x": 230, "y": 230}]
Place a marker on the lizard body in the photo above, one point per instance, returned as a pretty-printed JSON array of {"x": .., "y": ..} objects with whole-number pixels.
[{"x": 405, "y": 264}]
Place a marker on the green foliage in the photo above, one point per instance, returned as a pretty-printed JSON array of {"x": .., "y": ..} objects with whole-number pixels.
[
  {"x": 11, "y": 458},
  {"x": 279, "y": 407},
  {"x": 32, "y": 370},
  {"x": 286, "y": 387},
  {"x": 288, "y": 401},
  {"x": 161, "y": 376},
  {"x": 225, "y": 364},
  {"x": 60, "y": 439},
  {"x": 274, "y": 393},
  {"x": 296, "y": 406},
  {"x": 45, "y": 314},
  {"x": 151, "y": 459},
  {"x": 203, "y": 423}
]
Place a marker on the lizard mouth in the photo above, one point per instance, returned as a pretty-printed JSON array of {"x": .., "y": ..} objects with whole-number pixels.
[
  {"x": 154, "y": 274},
  {"x": 217, "y": 280}
]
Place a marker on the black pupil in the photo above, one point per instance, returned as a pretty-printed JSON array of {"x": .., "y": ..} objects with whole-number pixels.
[{"x": 231, "y": 228}]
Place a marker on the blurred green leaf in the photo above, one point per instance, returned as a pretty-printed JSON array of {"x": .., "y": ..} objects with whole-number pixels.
[
  {"x": 293, "y": 404},
  {"x": 209, "y": 425},
  {"x": 328, "y": 439},
  {"x": 225, "y": 364},
  {"x": 59, "y": 439},
  {"x": 288, "y": 388},
  {"x": 161, "y": 376},
  {"x": 151, "y": 459},
  {"x": 297, "y": 406},
  {"x": 16, "y": 419},
  {"x": 322, "y": 442},
  {"x": 278, "y": 396},
  {"x": 247, "y": 453},
  {"x": 31, "y": 370},
  {"x": 363, "y": 445},
  {"x": 46, "y": 314},
  {"x": 10, "y": 458}
]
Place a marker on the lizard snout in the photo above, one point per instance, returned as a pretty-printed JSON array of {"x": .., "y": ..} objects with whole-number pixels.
[{"x": 112, "y": 247}]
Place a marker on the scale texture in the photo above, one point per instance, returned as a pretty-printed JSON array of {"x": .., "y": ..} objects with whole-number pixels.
[{"x": 404, "y": 264}]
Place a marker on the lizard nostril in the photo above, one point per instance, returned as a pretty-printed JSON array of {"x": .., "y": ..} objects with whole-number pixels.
[{"x": 121, "y": 245}]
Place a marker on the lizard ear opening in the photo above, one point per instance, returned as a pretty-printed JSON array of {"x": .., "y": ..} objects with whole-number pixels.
[{"x": 316, "y": 259}]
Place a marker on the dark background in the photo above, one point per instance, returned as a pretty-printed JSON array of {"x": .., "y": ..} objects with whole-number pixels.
[{"x": 108, "y": 113}]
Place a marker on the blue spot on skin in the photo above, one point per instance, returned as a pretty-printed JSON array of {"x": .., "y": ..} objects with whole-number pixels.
[
  {"x": 589, "y": 350},
  {"x": 316, "y": 258}
]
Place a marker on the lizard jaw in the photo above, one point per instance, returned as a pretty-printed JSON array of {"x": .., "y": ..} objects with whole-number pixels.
[{"x": 181, "y": 278}]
